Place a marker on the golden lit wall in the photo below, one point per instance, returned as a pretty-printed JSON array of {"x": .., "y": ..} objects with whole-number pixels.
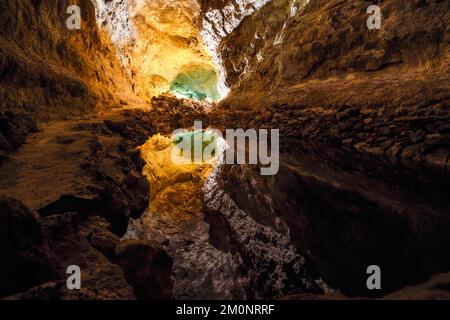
[{"x": 167, "y": 43}]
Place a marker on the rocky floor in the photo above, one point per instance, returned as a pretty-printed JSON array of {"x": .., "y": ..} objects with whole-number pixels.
[
  {"x": 307, "y": 232},
  {"x": 76, "y": 184}
]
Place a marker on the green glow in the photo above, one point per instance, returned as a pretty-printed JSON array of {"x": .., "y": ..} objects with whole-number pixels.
[
  {"x": 196, "y": 82},
  {"x": 207, "y": 138},
  {"x": 186, "y": 92}
]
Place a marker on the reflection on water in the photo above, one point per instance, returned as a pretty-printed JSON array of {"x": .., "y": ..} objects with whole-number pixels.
[{"x": 175, "y": 187}]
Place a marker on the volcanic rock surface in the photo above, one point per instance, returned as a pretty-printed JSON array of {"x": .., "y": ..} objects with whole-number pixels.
[
  {"x": 160, "y": 45},
  {"x": 50, "y": 71},
  {"x": 364, "y": 165},
  {"x": 82, "y": 208}
]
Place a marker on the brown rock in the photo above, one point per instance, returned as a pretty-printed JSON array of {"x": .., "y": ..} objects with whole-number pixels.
[
  {"x": 436, "y": 161},
  {"x": 25, "y": 258},
  {"x": 69, "y": 241},
  {"x": 394, "y": 151},
  {"x": 97, "y": 231},
  {"x": 147, "y": 268},
  {"x": 417, "y": 136}
]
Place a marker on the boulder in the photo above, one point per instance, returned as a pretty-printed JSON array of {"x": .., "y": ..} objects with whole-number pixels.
[
  {"x": 147, "y": 268},
  {"x": 25, "y": 257}
]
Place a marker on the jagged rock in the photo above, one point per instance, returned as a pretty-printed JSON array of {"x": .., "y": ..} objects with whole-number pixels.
[
  {"x": 75, "y": 242},
  {"x": 147, "y": 268},
  {"x": 60, "y": 226},
  {"x": 13, "y": 130},
  {"x": 182, "y": 59},
  {"x": 269, "y": 263},
  {"x": 105, "y": 187},
  {"x": 97, "y": 232},
  {"x": 25, "y": 258},
  {"x": 339, "y": 224},
  {"x": 173, "y": 113},
  {"x": 282, "y": 44}
]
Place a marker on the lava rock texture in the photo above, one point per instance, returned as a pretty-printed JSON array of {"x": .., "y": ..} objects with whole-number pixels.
[
  {"x": 365, "y": 150},
  {"x": 80, "y": 221},
  {"x": 363, "y": 118}
]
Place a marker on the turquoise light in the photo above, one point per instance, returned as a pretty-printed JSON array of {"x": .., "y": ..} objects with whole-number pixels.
[{"x": 196, "y": 82}]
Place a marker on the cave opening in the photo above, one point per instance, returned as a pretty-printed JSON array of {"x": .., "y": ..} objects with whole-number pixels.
[
  {"x": 197, "y": 83},
  {"x": 162, "y": 47}
]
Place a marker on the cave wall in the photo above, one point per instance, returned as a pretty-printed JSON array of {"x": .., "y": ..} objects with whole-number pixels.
[
  {"x": 287, "y": 44},
  {"x": 157, "y": 41},
  {"x": 363, "y": 118},
  {"x": 339, "y": 219},
  {"x": 50, "y": 71},
  {"x": 219, "y": 19}
]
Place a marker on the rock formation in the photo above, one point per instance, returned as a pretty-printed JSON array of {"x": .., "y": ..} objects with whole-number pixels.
[
  {"x": 279, "y": 54},
  {"x": 51, "y": 71},
  {"x": 160, "y": 44},
  {"x": 86, "y": 118},
  {"x": 372, "y": 107}
]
